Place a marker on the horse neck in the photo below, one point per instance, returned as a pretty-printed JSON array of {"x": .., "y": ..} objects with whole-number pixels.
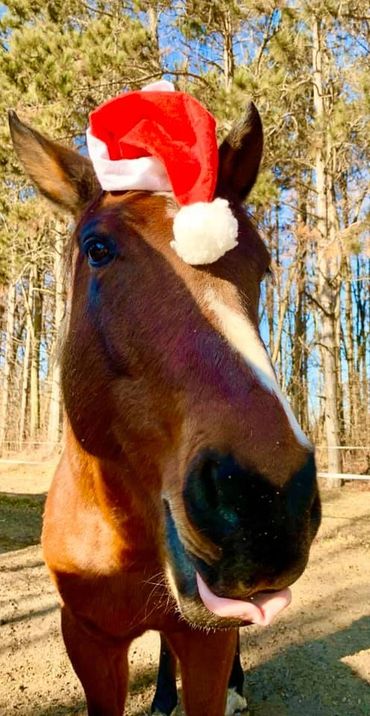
[{"x": 127, "y": 500}]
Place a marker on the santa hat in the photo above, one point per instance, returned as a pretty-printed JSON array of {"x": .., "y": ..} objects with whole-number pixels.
[{"x": 158, "y": 139}]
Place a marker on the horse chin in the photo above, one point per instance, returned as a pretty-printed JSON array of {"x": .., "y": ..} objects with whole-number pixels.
[
  {"x": 192, "y": 609},
  {"x": 198, "y": 616},
  {"x": 182, "y": 583}
]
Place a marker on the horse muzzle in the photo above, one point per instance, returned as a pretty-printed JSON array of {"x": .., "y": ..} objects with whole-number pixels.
[{"x": 261, "y": 534}]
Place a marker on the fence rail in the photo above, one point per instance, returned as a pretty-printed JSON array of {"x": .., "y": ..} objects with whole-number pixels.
[
  {"x": 342, "y": 476},
  {"x": 343, "y": 447}
]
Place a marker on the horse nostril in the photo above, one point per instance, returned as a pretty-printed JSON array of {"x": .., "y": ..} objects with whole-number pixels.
[
  {"x": 210, "y": 487},
  {"x": 202, "y": 492},
  {"x": 236, "y": 507},
  {"x": 211, "y": 494}
]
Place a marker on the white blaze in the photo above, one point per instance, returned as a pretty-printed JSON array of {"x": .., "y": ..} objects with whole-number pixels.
[{"x": 243, "y": 337}]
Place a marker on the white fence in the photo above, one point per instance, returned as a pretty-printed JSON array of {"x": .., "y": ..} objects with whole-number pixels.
[{"x": 342, "y": 476}]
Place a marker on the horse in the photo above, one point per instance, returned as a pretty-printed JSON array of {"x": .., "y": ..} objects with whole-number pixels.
[{"x": 186, "y": 498}]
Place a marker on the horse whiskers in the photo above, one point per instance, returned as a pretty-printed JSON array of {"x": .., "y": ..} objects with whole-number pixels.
[{"x": 160, "y": 582}]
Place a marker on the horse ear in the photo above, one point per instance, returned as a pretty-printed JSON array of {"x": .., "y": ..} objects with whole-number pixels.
[
  {"x": 61, "y": 174},
  {"x": 240, "y": 156}
]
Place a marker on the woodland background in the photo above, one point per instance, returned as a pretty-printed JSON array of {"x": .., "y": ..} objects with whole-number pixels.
[{"x": 306, "y": 64}]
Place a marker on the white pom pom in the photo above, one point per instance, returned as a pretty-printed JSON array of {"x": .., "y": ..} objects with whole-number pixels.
[{"x": 204, "y": 232}]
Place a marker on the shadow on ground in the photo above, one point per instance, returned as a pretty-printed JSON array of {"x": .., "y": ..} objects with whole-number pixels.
[
  {"x": 302, "y": 680},
  {"x": 311, "y": 679},
  {"x": 20, "y": 520},
  {"x": 142, "y": 685}
]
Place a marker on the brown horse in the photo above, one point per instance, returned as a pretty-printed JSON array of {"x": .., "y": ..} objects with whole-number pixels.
[{"x": 186, "y": 498}]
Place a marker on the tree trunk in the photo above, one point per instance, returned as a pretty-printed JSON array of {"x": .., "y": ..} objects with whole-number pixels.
[
  {"x": 228, "y": 51},
  {"x": 326, "y": 293},
  {"x": 299, "y": 377},
  {"x": 26, "y": 365},
  {"x": 347, "y": 313},
  {"x": 54, "y": 419},
  {"x": 153, "y": 24},
  {"x": 270, "y": 294},
  {"x": 349, "y": 344},
  {"x": 7, "y": 365},
  {"x": 36, "y": 323}
]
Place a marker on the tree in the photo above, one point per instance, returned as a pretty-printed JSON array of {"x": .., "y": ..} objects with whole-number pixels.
[{"x": 306, "y": 66}]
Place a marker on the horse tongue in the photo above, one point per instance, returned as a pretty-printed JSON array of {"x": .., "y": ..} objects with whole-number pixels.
[{"x": 261, "y": 610}]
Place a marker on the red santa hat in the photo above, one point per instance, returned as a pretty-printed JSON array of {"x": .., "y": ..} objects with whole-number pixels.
[{"x": 158, "y": 139}]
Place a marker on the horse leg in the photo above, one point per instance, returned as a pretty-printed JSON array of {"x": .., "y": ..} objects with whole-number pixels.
[
  {"x": 101, "y": 667},
  {"x": 205, "y": 661},
  {"x": 165, "y": 698},
  {"x": 236, "y": 701}
]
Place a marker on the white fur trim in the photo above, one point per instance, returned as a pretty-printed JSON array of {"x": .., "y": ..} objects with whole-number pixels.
[
  {"x": 145, "y": 173},
  {"x": 204, "y": 232},
  {"x": 159, "y": 86}
]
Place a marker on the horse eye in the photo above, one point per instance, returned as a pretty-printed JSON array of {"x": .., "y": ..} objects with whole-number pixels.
[{"x": 99, "y": 251}]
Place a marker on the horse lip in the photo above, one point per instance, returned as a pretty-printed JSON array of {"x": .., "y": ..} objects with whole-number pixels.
[
  {"x": 181, "y": 565},
  {"x": 182, "y": 561}
]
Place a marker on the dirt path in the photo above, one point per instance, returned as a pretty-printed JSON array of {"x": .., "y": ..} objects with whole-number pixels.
[{"x": 315, "y": 661}]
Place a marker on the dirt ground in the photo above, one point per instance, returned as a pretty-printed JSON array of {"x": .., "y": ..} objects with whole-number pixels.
[{"x": 314, "y": 661}]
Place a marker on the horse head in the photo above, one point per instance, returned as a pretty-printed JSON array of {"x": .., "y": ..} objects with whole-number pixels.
[{"x": 167, "y": 386}]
